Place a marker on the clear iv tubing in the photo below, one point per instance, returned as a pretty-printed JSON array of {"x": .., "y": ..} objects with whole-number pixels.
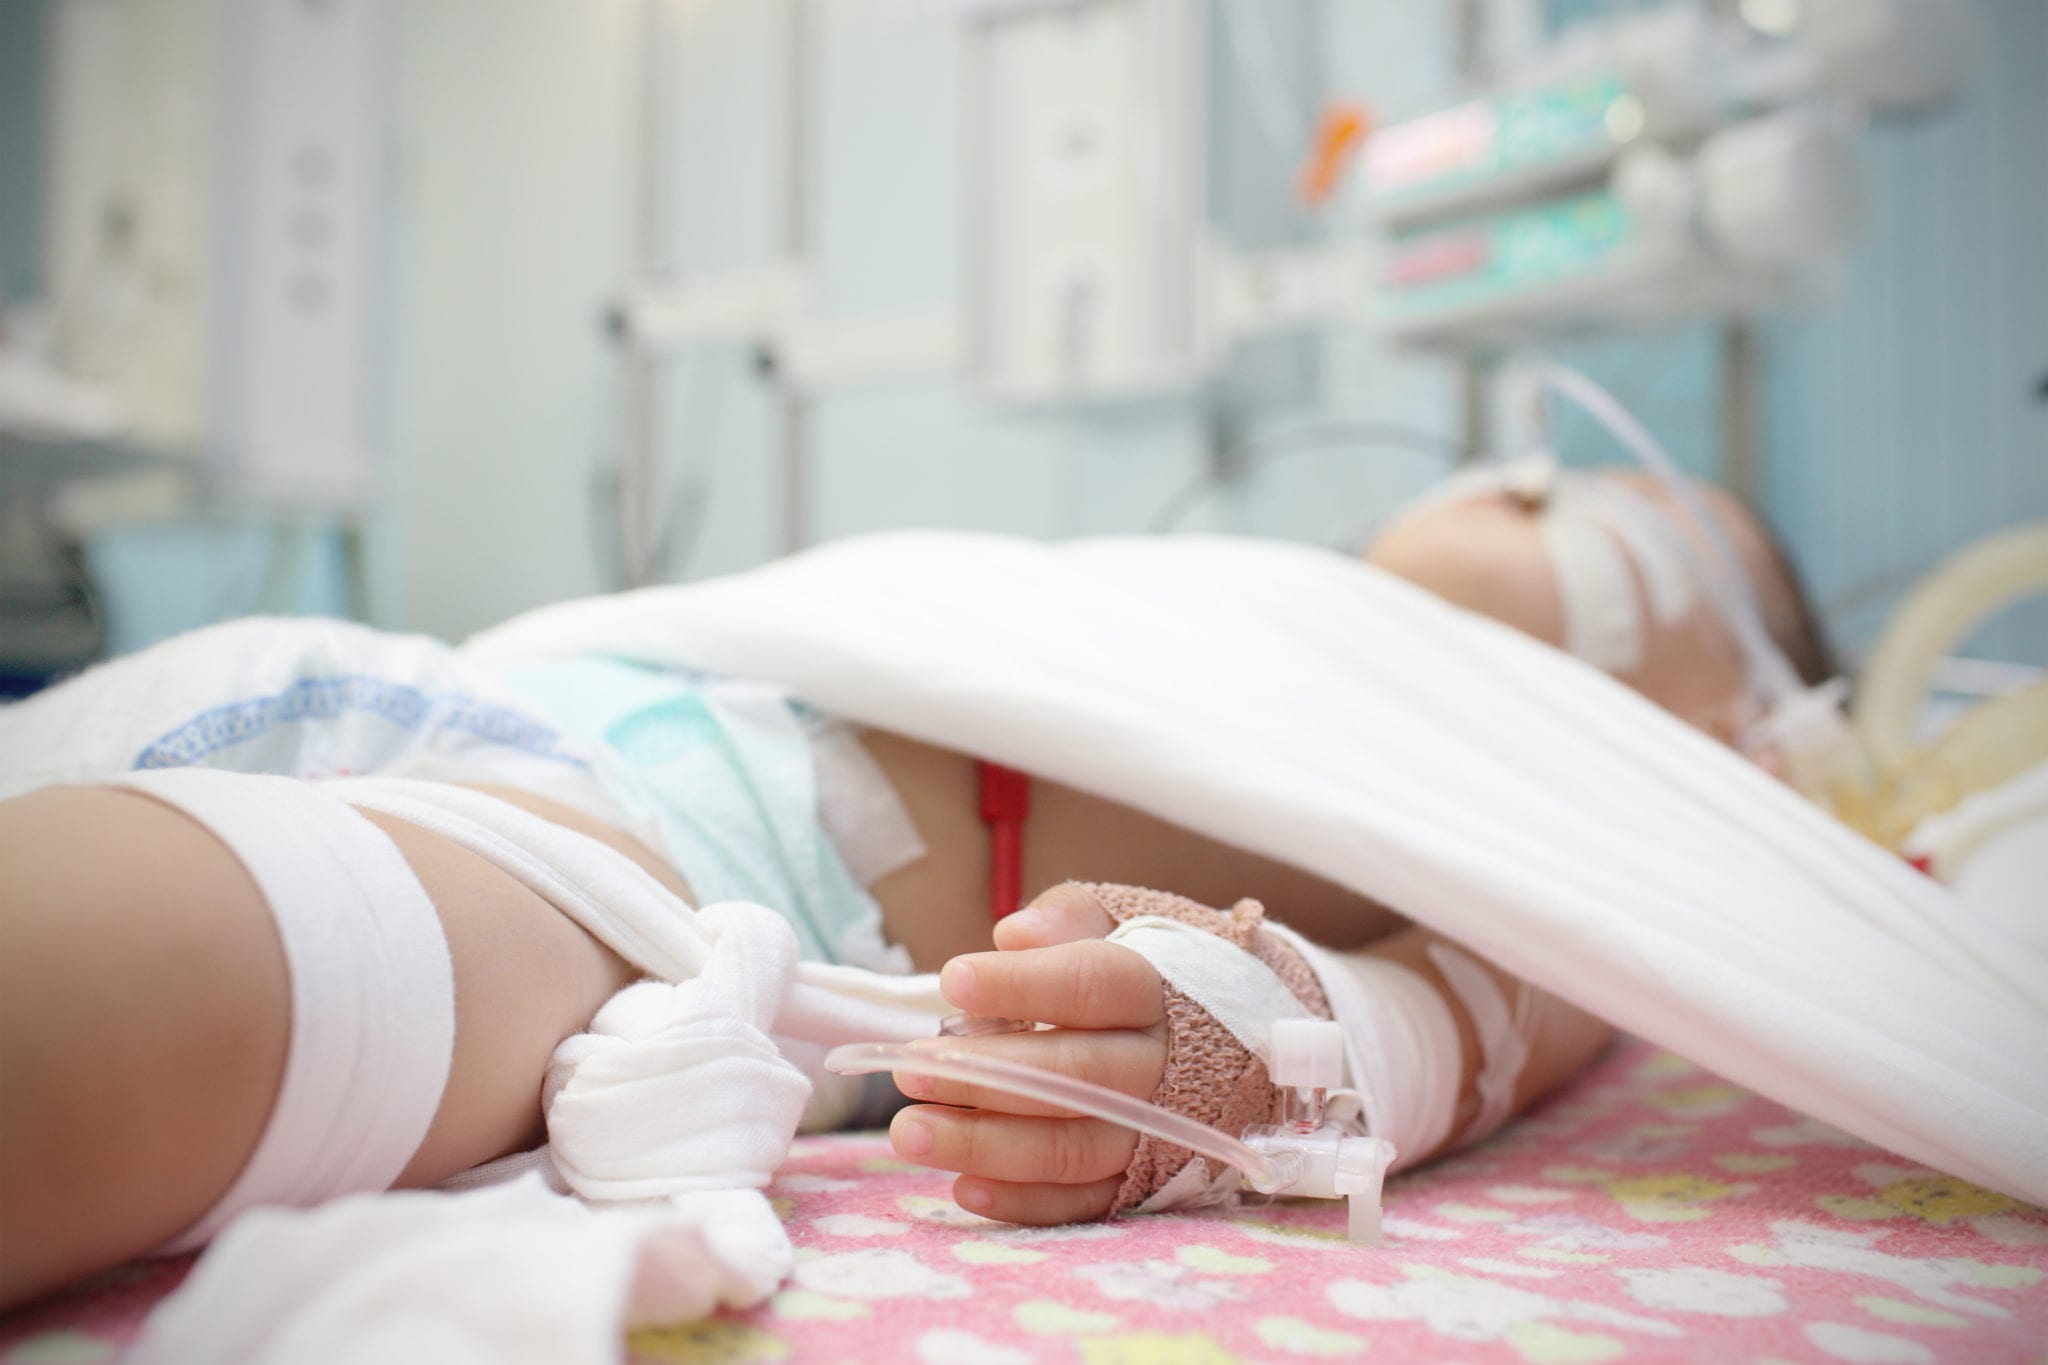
[
  {"x": 1266, "y": 1174},
  {"x": 1770, "y": 673}
]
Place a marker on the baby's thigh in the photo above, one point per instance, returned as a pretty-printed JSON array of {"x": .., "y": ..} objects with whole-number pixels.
[
  {"x": 146, "y": 1010},
  {"x": 526, "y": 977}
]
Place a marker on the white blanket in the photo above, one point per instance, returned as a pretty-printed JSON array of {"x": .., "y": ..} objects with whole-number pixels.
[{"x": 1307, "y": 708}]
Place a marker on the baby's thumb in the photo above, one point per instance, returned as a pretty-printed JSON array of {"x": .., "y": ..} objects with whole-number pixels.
[{"x": 1067, "y": 913}]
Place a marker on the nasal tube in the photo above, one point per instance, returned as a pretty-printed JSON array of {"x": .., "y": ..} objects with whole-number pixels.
[{"x": 1303, "y": 1155}]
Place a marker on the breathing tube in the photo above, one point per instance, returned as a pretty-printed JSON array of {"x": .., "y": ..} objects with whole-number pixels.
[
  {"x": 1303, "y": 1155},
  {"x": 1802, "y": 725}
]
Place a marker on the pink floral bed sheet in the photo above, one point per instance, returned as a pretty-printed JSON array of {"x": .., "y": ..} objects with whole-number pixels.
[{"x": 1650, "y": 1213}]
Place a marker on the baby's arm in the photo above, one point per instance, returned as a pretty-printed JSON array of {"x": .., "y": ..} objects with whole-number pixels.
[{"x": 1030, "y": 1163}]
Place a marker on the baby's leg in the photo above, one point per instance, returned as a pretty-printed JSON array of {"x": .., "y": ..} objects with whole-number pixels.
[
  {"x": 145, "y": 1015},
  {"x": 1028, "y": 1163}
]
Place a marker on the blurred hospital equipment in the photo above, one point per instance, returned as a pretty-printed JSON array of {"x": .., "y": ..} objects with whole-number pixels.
[
  {"x": 54, "y": 428},
  {"x": 218, "y": 201},
  {"x": 219, "y": 195},
  {"x": 217, "y": 198},
  {"x": 1682, "y": 161},
  {"x": 1659, "y": 164}
]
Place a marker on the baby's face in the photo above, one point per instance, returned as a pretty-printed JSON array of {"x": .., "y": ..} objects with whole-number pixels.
[{"x": 1486, "y": 554}]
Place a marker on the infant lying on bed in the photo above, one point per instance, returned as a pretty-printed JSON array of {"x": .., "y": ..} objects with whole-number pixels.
[
  {"x": 146, "y": 927},
  {"x": 1484, "y": 551}
]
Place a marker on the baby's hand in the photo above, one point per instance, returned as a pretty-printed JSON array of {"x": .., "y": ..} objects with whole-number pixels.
[{"x": 1019, "y": 1160}]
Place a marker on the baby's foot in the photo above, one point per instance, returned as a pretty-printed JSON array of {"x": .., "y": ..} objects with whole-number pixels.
[{"x": 1019, "y": 1160}]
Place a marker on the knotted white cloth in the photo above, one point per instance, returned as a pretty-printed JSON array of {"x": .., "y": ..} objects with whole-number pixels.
[
  {"x": 678, "y": 1088},
  {"x": 666, "y": 1120}
]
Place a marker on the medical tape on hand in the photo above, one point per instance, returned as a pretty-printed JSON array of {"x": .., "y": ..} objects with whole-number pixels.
[
  {"x": 1240, "y": 992},
  {"x": 1503, "y": 1034},
  {"x": 1242, "y": 996},
  {"x": 1401, "y": 1043}
]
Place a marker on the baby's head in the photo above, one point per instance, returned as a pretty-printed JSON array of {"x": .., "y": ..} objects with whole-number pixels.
[{"x": 1487, "y": 553}]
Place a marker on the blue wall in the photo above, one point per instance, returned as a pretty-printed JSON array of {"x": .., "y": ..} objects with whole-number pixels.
[{"x": 1909, "y": 417}]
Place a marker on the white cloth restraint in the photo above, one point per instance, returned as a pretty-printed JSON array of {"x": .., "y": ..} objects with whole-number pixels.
[
  {"x": 677, "y": 1088},
  {"x": 677, "y": 1085},
  {"x": 668, "y": 1116},
  {"x": 626, "y": 909}
]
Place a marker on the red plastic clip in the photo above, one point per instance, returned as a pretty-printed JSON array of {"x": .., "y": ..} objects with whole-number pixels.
[{"x": 1005, "y": 806}]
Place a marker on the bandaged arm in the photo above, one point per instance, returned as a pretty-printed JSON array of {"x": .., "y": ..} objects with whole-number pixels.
[
  {"x": 1441, "y": 1048},
  {"x": 1444, "y": 1046}
]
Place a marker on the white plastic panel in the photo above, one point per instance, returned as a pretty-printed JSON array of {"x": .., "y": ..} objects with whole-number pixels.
[
  {"x": 128, "y": 161},
  {"x": 1085, "y": 204},
  {"x": 303, "y": 207}
]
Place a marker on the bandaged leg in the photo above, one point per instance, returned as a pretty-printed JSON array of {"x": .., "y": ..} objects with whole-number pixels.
[{"x": 372, "y": 988}]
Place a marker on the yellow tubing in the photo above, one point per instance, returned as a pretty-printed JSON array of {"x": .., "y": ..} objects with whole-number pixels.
[{"x": 1995, "y": 742}]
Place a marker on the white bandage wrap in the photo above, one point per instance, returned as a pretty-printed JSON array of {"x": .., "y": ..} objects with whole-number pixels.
[
  {"x": 372, "y": 988},
  {"x": 1401, "y": 1044},
  {"x": 1503, "y": 1033},
  {"x": 1240, "y": 992}
]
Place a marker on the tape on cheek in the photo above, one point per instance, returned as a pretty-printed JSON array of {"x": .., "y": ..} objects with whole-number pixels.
[
  {"x": 1603, "y": 623},
  {"x": 1652, "y": 541}
]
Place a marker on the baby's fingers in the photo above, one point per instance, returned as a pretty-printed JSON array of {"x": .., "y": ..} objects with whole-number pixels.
[
  {"x": 1091, "y": 984},
  {"x": 1035, "y": 1204},
  {"x": 1123, "y": 1060},
  {"x": 1011, "y": 1147}
]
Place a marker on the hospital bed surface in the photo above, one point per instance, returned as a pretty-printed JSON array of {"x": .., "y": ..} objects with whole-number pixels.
[{"x": 1650, "y": 1213}]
